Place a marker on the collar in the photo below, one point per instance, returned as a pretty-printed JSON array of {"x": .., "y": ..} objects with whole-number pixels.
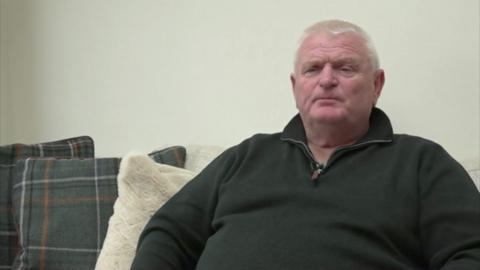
[{"x": 380, "y": 129}]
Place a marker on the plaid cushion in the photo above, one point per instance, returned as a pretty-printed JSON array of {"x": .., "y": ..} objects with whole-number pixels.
[
  {"x": 174, "y": 155},
  {"x": 79, "y": 147},
  {"x": 62, "y": 208}
]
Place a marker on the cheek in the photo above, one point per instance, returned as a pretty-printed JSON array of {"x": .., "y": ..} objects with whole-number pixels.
[
  {"x": 363, "y": 93},
  {"x": 299, "y": 97},
  {"x": 302, "y": 93}
]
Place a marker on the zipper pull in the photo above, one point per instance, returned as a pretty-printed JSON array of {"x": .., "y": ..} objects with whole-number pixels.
[{"x": 316, "y": 172}]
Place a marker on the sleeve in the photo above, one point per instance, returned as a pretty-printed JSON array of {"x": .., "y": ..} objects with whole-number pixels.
[
  {"x": 449, "y": 213},
  {"x": 176, "y": 234}
]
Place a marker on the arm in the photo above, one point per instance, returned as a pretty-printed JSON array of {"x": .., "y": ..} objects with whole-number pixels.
[
  {"x": 449, "y": 213},
  {"x": 175, "y": 236}
]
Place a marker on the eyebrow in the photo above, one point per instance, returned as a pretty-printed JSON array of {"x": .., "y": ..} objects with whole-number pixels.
[
  {"x": 347, "y": 60},
  {"x": 341, "y": 61}
]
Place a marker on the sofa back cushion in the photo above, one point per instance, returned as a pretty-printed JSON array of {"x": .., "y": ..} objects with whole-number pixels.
[
  {"x": 199, "y": 156},
  {"x": 62, "y": 208},
  {"x": 78, "y": 147},
  {"x": 143, "y": 187}
]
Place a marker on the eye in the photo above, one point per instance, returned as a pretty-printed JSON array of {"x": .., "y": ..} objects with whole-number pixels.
[
  {"x": 310, "y": 70},
  {"x": 347, "y": 70}
]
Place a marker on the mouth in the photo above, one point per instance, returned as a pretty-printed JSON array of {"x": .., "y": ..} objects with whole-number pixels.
[{"x": 327, "y": 100}]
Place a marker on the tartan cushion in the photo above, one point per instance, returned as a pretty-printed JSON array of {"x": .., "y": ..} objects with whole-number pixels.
[
  {"x": 62, "y": 208},
  {"x": 79, "y": 147},
  {"x": 174, "y": 155}
]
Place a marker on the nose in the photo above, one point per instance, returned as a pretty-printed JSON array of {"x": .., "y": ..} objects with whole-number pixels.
[{"x": 327, "y": 79}]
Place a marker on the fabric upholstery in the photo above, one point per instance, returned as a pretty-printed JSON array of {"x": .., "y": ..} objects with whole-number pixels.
[
  {"x": 173, "y": 155},
  {"x": 143, "y": 187},
  {"x": 62, "y": 208},
  {"x": 78, "y": 147},
  {"x": 199, "y": 156}
]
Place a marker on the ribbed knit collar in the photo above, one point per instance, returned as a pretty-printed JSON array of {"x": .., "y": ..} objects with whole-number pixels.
[{"x": 380, "y": 128}]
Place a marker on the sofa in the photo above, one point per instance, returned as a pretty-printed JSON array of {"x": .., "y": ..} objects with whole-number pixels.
[{"x": 63, "y": 208}]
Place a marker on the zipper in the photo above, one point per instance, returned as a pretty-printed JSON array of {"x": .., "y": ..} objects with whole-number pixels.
[
  {"x": 315, "y": 167},
  {"x": 318, "y": 168},
  {"x": 316, "y": 171}
]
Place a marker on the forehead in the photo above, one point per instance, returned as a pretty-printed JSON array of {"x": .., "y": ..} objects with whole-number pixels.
[{"x": 324, "y": 45}]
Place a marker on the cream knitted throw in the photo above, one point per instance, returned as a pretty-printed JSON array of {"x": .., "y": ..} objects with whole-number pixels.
[{"x": 143, "y": 186}]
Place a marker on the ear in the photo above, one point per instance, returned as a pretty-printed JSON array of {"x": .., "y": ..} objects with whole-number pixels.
[
  {"x": 292, "y": 80},
  {"x": 379, "y": 81}
]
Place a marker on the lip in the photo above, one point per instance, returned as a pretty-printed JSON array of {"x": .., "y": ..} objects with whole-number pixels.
[{"x": 327, "y": 100}]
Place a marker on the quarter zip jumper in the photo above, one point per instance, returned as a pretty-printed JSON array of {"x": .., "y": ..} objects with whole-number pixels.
[
  {"x": 295, "y": 134},
  {"x": 386, "y": 202}
]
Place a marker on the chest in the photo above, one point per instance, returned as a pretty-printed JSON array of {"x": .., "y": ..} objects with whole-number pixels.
[{"x": 372, "y": 194}]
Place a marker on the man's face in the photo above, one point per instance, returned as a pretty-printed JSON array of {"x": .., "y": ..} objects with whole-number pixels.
[{"x": 334, "y": 81}]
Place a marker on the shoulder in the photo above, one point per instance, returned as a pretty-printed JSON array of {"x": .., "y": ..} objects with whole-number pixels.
[
  {"x": 429, "y": 155},
  {"x": 425, "y": 153},
  {"x": 254, "y": 143},
  {"x": 417, "y": 145},
  {"x": 407, "y": 139},
  {"x": 234, "y": 158},
  {"x": 254, "y": 147}
]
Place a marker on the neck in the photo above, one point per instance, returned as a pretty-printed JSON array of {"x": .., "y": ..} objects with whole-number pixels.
[{"x": 323, "y": 139}]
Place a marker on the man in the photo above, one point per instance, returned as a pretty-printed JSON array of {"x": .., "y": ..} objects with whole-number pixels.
[{"x": 335, "y": 190}]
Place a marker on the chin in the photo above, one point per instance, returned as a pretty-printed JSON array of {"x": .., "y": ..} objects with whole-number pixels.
[{"x": 327, "y": 117}]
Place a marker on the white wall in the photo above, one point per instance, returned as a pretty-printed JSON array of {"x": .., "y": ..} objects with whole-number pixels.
[{"x": 136, "y": 75}]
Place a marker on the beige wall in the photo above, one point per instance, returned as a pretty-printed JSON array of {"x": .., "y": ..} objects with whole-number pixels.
[
  {"x": 3, "y": 71},
  {"x": 137, "y": 75}
]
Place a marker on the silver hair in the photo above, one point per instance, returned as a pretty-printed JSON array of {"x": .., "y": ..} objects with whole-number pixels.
[{"x": 336, "y": 27}]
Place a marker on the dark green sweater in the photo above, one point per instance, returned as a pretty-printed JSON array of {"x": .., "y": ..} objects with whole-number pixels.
[{"x": 388, "y": 202}]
